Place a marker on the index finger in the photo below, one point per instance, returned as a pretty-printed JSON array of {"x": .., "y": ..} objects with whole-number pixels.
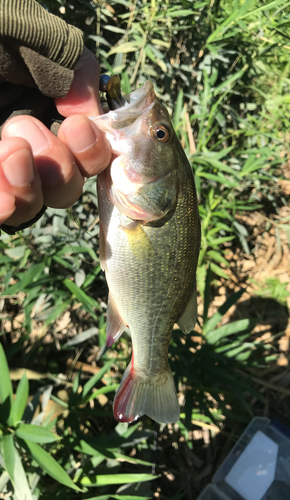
[{"x": 83, "y": 96}]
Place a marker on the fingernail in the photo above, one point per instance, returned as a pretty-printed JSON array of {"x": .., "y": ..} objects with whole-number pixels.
[
  {"x": 80, "y": 136},
  {"x": 28, "y": 130},
  {"x": 18, "y": 168}
]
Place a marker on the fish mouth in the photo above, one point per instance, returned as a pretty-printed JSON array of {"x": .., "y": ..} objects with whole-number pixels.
[
  {"x": 136, "y": 103},
  {"x": 128, "y": 120}
]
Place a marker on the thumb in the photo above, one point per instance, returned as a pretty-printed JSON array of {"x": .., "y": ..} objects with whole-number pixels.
[{"x": 83, "y": 96}]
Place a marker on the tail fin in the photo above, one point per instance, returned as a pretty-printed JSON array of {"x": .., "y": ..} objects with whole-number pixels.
[{"x": 137, "y": 396}]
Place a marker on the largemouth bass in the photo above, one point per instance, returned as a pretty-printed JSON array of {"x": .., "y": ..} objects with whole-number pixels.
[{"x": 149, "y": 246}]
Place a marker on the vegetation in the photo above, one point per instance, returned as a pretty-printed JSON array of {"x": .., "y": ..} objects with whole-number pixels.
[{"x": 222, "y": 69}]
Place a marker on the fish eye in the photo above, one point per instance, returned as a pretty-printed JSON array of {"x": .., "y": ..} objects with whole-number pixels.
[{"x": 161, "y": 133}]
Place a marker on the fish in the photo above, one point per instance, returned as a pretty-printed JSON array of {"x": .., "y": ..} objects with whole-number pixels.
[{"x": 148, "y": 245}]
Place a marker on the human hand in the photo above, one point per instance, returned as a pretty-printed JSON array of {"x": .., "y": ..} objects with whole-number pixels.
[{"x": 38, "y": 168}]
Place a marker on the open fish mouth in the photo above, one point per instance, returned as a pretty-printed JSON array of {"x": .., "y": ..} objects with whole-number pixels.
[
  {"x": 138, "y": 100},
  {"x": 136, "y": 103},
  {"x": 128, "y": 120}
]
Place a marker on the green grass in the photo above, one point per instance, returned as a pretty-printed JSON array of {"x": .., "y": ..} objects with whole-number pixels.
[{"x": 222, "y": 70}]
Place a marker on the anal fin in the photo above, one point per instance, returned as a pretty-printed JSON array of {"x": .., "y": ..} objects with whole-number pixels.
[
  {"x": 187, "y": 320},
  {"x": 115, "y": 323}
]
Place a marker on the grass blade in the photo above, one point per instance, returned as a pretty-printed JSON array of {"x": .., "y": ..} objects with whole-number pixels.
[
  {"x": 15, "y": 469},
  {"x": 6, "y": 391},
  {"x": 206, "y": 294},
  {"x": 242, "y": 325},
  {"x": 214, "y": 320},
  {"x": 119, "y": 497},
  {"x": 36, "y": 434},
  {"x": 106, "y": 479},
  {"x": 88, "y": 302},
  {"x": 82, "y": 337},
  {"x": 50, "y": 465},
  {"x": 93, "y": 381},
  {"x": 21, "y": 398},
  {"x": 27, "y": 279}
]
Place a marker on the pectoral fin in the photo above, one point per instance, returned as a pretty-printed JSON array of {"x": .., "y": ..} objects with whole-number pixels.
[
  {"x": 115, "y": 324},
  {"x": 187, "y": 320},
  {"x": 138, "y": 240}
]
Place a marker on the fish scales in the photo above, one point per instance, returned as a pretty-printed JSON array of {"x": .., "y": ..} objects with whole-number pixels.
[
  {"x": 150, "y": 268},
  {"x": 150, "y": 315}
]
